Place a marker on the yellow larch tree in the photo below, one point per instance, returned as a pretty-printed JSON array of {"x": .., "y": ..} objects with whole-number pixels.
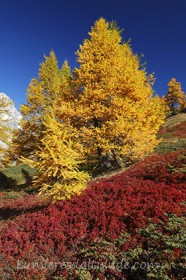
[
  {"x": 175, "y": 97},
  {"x": 116, "y": 113},
  {"x": 59, "y": 157},
  {"x": 105, "y": 113},
  {"x": 41, "y": 93}
]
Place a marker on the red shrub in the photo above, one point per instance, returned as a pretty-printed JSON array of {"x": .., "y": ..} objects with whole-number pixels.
[
  {"x": 122, "y": 203},
  {"x": 180, "y": 132},
  {"x": 161, "y": 168}
]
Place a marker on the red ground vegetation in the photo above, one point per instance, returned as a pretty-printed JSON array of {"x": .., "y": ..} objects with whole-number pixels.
[{"x": 146, "y": 193}]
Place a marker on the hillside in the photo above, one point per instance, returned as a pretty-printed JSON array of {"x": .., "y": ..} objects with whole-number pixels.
[
  {"x": 125, "y": 226},
  {"x": 175, "y": 120},
  {"x": 173, "y": 134}
]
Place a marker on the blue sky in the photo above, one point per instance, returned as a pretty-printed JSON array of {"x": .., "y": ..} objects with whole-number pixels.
[{"x": 31, "y": 28}]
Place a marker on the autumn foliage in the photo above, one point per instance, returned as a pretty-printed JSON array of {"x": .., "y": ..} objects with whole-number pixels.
[
  {"x": 116, "y": 113},
  {"x": 175, "y": 98},
  {"x": 59, "y": 155},
  {"x": 41, "y": 93},
  {"x": 100, "y": 116},
  {"x": 135, "y": 216},
  {"x": 107, "y": 103}
]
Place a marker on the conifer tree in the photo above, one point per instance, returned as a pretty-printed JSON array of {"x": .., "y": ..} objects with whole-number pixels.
[
  {"x": 58, "y": 160},
  {"x": 175, "y": 97},
  {"x": 116, "y": 113},
  {"x": 42, "y": 91}
]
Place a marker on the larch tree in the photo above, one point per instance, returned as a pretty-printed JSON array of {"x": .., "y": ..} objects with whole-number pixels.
[
  {"x": 104, "y": 114},
  {"x": 47, "y": 142},
  {"x": 175, "y": 97},
  {"x": 59, "y": 156},
  {"x": 116, "y": 112},
  {"x": 41, "y": 93}
]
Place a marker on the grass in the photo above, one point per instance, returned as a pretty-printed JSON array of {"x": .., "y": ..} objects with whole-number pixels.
[
  {"x": 173, "y": 134},
  {"x": 166, "y": 147},
  {"x": 174, "y": 120},
  {"x": 19, "y": 173},
  {"x": 18, "y": 177}
]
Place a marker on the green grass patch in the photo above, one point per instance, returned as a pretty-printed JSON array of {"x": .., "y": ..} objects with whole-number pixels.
[
  {"x": 18, "y": 175},
  {"x": 166, "y": 147}
]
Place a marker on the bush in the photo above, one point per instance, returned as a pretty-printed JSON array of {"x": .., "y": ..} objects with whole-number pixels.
[
  {"x": 154, "y": 252},
  {"x": 133, "y": 207}
]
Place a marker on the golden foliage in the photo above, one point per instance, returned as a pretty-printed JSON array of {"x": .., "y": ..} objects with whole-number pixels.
[
  {"x": 58, "y": 158},
  {"x": 106, "y": 109},
  {"x": 116, "y": 109},
  {"x": 41, "y": 93},
  {"x": 175, "y": 98}
]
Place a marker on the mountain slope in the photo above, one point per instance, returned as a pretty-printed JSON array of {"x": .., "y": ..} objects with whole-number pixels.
[
  {"x": 173, "y": 134},
  {"x": 15, "y": 115},
  {"x": 12, "y": 119}
]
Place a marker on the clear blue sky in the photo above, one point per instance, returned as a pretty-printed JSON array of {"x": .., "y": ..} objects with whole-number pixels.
[{"x": 31, "y": 28}]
